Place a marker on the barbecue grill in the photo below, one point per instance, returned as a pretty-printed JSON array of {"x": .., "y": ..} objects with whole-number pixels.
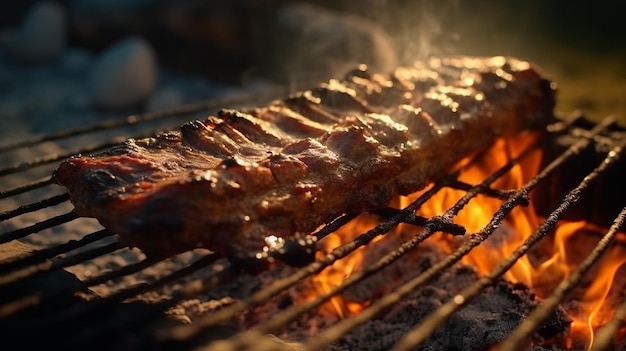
[{"x": 43, "y": 305}]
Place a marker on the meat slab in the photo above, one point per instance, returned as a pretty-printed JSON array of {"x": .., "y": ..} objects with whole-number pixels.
[{"x": 234, "y": 180}]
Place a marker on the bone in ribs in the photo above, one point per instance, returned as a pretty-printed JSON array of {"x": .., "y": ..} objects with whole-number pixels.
[{"x": 229, "y": 182}]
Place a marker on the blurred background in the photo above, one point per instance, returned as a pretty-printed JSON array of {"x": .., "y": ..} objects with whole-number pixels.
[{"x": 230, "y": 44}]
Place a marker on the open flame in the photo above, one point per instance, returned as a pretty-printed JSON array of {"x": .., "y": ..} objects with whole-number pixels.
[{"x": 546, "y": 265}]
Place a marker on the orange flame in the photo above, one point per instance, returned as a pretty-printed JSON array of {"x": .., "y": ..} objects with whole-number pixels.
[
  {"x": 334, "y": 275},
  {"x": 542, "y": 269}
]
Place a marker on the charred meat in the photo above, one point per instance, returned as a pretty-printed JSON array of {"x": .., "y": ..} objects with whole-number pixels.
[{"x": 231, "y": 181}]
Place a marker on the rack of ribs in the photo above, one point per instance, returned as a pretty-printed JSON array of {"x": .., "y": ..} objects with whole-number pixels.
[{"x": 232, "y": 181}]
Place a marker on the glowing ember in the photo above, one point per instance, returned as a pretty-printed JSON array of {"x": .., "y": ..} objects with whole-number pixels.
[
  {"x": 546, "y": 265},
  {"x": 334, "y": 275}
]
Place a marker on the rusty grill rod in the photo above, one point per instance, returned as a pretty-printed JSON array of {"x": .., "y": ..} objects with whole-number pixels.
[
  {"x": 184, "y": 333},
  {"x": 130, "y": 120},
  {"x": 294, "y": 247},
  {"x": 37, "y": 227},
  {"x": 193, "y": 288},
  {"x": 13, "y": 284},
  {"x": 430, "y": 323},
  {"x": 342, "y": 327},
  {"x": 533, "y": 321},
  {"x": 56, "y": 297},
  {"x": 79, "y": 314},
  {"x": 434, "y": 224},
  {"x": 19, "y": 167},
  {"x": 34, "y": 257},
  {"x": 62, "y": 262},
  {"x": 86, "y": 321},
  {"x": 34, "y": 206},
  {"x": 190, "y": 291},
  {"x": 20, "y": 189},
  {"x": 179, "y": 111},
  {"x": 249, "y": 338}
]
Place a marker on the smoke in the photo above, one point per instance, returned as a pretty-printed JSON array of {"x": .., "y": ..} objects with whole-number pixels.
[
  {"x": 313, "y": 42},
  {"x": 422, "y": 29}
]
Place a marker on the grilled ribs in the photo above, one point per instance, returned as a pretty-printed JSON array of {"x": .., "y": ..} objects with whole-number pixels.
[{"x": 235, "y": 179}]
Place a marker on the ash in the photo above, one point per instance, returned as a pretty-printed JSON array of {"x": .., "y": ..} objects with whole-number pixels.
[{"x": 485, "y": 321}]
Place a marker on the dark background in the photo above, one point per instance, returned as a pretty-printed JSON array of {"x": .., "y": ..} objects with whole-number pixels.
[
  {"x": 580, "y": 44},
  {"x": 595, "y": 25}
]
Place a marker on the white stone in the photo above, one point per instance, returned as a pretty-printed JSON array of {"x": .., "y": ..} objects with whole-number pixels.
[
  {"x": 41, "y": 36},
  {"x": 124, "y": 75}
]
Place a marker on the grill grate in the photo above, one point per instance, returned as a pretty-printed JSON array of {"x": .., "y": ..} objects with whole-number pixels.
[{"x": 29, "y": 309}]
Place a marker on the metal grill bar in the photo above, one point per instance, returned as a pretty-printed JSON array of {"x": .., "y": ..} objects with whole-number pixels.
[
  {"x": 130, "y": 120},
  {"x": 40, "y": 255},
  {"x": 98, "y": 312},
  {"x": 342, "y": 327},
  {"x": 16, "y": 168},
  {"x": 182, "y": 334},
  {"x": 431, "y": 225},
  {"x": 39, "y": 226},
  {"x": 47, "y": 266},
  {"x": 26, "y": 187},
  {"x": 533, "y": 321},
  {"x": 314, "y": 237},
  {"x": 106, "y": 327},
  {"x": 428, "y": 325},
  {"x": 78, "y": 313},
  {"x": 57, "y": 297},
  {"x": 149, "y": 116},
  {"x": 89, "y": 321},
  {"x": 32, "y": 207}
]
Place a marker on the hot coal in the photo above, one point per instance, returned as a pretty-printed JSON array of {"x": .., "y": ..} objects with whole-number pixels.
[
  {"x": 601, "y": 204},
  {"x": 484, "y": 321}
]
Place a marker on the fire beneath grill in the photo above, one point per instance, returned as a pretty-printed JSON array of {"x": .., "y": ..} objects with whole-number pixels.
[
  {"x": 506, "y": 253},
  {"x": 517, "y": 284}
]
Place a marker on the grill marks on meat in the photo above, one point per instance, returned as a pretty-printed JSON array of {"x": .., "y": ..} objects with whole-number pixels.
[{"x": 232, "y": 180}]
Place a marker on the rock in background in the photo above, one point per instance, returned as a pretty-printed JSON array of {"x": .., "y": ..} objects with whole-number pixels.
[
  {"x": 124, "y": 75},
  {"x": 40, "y": 37},
  {"x": 239, "y": 40},
  {"x": 204, "y": 38}
]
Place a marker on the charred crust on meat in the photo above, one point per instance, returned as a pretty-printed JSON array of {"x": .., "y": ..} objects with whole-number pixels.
[
  {"x": 228, "y": 182},
  {"x": 338, "y": 96},
  {"x": 252, "y": 128},
  {"x": 352, "y": 143},
  {"x": 306, "y": 104},
  {"x": 418, "y": 123},
  {"x": 286, "y": 168}
]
